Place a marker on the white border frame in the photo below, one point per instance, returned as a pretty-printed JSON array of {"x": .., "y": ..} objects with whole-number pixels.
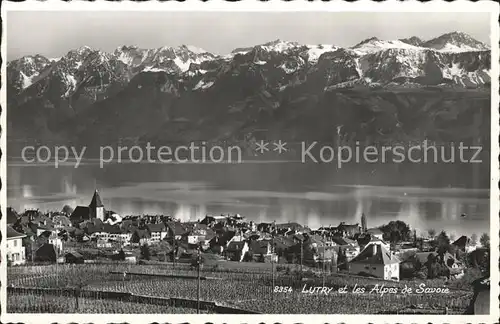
[{"x": 249, "y": 5}]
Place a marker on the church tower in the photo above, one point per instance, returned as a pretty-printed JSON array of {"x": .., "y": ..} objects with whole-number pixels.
[
  {"x": 363, "y": 223},
  {"x": 96, "y": 207}
]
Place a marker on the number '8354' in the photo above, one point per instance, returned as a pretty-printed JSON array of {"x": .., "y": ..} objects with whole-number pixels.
[{"x": 282, "y": 289}]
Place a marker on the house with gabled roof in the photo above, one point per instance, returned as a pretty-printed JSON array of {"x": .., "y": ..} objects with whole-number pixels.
[
  {"x": 385, "y": 244},
  {"x": 113, "y": 232},
  {"x": 326, "y": 254},
  {"x": 376, "y": 233},
  {"x": 16, "y": 252},
  {"x": 376, "y": 261},
  {"x": 265, "y": 227},
  {"x": 263, "y": 251},
  {"x": 61, "y": 221},
  {"x": 31, "y": 214},
  {"x": 158, "y": 231},
  {"x": 289, "y": 228},
  {"x": 175, "y": 230},
  {"x": 221, "y": 240},
  {"x": 50, "y": 238},
  {"x": 236, "y": 251},
  {"x": 343, "y": 241},
  {"x": 212, "y": 220},
  {"x": 347, "y": 230},
  {"x": 282, "y": 244},
  {"x": 12, "y": 216},
  {"x": 464, "y": 244},
  {"x": 43, "y": 228}
]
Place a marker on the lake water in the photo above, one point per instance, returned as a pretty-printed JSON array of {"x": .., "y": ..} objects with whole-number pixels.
[{"x": 314, "y": 195}]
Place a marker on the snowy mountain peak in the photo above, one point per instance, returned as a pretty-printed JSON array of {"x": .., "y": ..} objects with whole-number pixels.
[
  {"x": 194, "y": 49},
  {"x": 279, "y": 45},
  {"x": 414, "y": 40},
  {"x": 366, "y": 41},
  {"x": 315, "y": 51},
  {"x": 374, "y": 44},
  {"x": 84, "y": 49},
  {"x": 456, "y": 42},
  {"x": 124, "y": 48}
]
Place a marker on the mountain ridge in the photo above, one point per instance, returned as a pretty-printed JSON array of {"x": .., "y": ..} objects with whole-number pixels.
[
  {"x": 184, "y": 93},
  {"x": 178, "y": 59}
]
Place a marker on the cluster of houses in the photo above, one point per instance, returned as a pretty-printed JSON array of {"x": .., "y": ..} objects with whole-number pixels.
[{"x": 352, "y": 248}]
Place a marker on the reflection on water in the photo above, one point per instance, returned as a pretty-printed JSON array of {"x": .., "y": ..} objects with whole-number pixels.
[{"x": 284, "y": 192}]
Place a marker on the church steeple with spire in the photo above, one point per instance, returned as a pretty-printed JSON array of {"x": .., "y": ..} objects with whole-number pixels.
[{"x": 96, "y": 207}]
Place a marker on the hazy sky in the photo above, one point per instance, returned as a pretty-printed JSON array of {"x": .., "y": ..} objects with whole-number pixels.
[{"x": 53, "y": 34}]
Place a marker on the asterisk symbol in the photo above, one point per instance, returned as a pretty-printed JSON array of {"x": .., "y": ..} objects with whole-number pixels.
[
  {"x": 280, "y": 147},
  {"x": 262, "y": 147}
]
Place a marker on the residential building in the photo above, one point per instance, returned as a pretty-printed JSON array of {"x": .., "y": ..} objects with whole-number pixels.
[
  {"x": 101, "y": 244},
  {"x": 198, "y": 234},
  {"x": 236, "y": 251},
  {"x": 349, "y": 251},
  {"x": 348, "y": 247},
  {"x": 114, "y": 232},
  {"x": 125, "y": 237},
  {"x": 212, "y": 220},
  {"x": 265, "y": 227},
  {"x": 383, "y": 243},
  {"x": 376, "y": 233},
  {"x": 282, "y": 245},
  {"x": 289, "y": 227},
  {"x": 464, "y": 244},
  {"x": 46, "y": 253},
  {"x": 61, "y": 221},
  {"x": 51, "y": 238},
  {"x": 453, "y": 264},
  {"x": 221, "y": 240},
  {"x": 158, "y": 232},
  {"x": 16, "y": 253},
  {"x": 12, "y": 216},
  {"x": 375, "y": 260},
  {"x": 262, "y": 251},
  {"x": 175, "y": 230},
  {"x": 325, "y": 254},
  {"x": 346, "y": 230}
]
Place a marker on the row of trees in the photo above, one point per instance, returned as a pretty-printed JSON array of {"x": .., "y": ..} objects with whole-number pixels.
[
  {"x": 484, "y": 240},
  {"x": 399, "y": 231}
]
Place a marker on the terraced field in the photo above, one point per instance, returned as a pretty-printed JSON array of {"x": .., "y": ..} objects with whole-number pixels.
[{"x": 250, "y": 291}]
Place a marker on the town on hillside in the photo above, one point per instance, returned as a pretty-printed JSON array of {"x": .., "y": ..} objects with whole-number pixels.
[{"x": 92, "y": 234}]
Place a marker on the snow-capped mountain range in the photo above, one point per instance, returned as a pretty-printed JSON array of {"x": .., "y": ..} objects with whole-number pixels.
[
  {"x": 410, "y": 54},
  {"x": 177, "y": 82}
]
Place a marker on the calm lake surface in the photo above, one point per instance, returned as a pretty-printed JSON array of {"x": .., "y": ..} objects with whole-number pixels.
[{"x": 425, "y": 196}]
